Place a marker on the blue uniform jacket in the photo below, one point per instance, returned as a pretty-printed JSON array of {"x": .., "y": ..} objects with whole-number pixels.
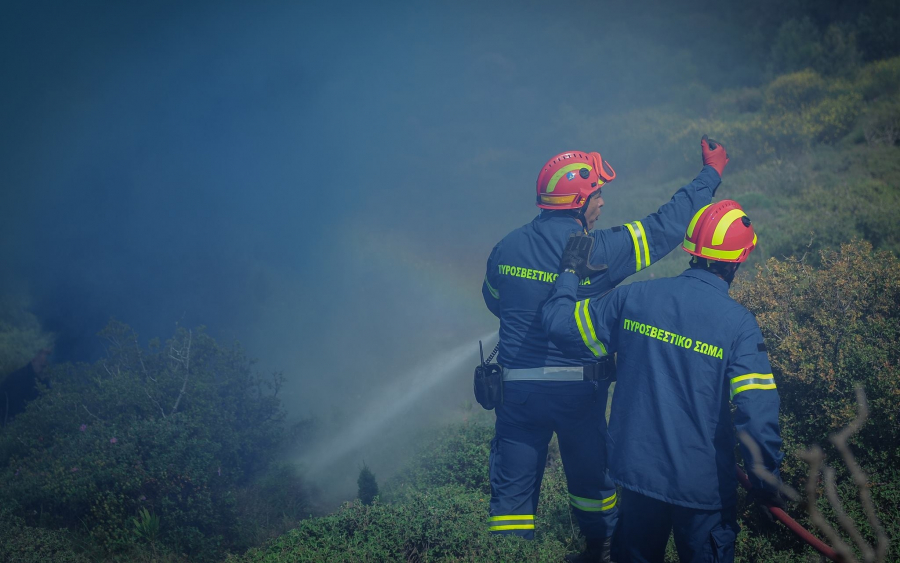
[
  {"x": 523, "y": 266},
  {"x": 685, "y": 347}
]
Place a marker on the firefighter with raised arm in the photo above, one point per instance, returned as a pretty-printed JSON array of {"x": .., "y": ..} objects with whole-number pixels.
[
  {"x": 686, "y": 353},
  {"x": 544, "y": 389}
]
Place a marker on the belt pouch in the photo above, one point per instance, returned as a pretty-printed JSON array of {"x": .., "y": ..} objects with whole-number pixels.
[{"x": 489, "y": 385}]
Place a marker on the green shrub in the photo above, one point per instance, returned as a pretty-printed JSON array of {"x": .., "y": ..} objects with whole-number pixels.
[
  {"x": 271, "y": 504},
  {"x": 795, "y": 92},
  {"x": 20, "y": 543},
  {"x": 796, "y": 46},
  {"x": 174, "y": 430},
  {"x": 879, "y": 29},
  {"x": 827, "y": 330},
  {"x": 457, "y": 454},
  {"x": 879, "y": 79},
  {"x": 799, "y": 45},
  {"x": 443, "y": 524},
  {"x": 881, "y": 123},
  {"x": 21, "y": 335}
]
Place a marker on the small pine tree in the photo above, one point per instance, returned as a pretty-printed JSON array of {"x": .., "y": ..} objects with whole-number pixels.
[{"x": 368, "y": 487}]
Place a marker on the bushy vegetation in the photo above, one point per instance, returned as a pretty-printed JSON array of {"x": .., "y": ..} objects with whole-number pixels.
[
  {"x": 434, "y": 510},
  {"x": 815, "y": 159},
  {"x": 829, "y": 329},
  {"x": 21, "y": 335},
  {"x": 152, "y": 447}
]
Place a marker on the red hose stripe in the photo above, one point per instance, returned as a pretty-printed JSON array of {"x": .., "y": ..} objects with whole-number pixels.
[{"x": 792, "y": 524}]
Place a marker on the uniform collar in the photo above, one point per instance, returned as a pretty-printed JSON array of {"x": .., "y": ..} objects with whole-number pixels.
[
  {"x": 707, "y": 277},
  {"x": 558, "y": 217}
]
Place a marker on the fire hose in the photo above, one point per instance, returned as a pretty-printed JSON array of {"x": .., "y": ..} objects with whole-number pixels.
[{"x": 792, "y": 524}]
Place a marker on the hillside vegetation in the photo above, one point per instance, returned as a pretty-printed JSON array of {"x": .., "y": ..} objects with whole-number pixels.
[
  {"x": 118, "y": 462},
  {"x": 816, "y": 164}
]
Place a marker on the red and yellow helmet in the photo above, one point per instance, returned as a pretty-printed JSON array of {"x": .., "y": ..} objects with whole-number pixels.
[
  {"x": 568, "y": 179},
  {"x": 720, "y": 231}
]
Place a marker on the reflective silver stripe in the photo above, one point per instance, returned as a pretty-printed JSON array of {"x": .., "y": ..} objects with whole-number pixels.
[
  {"x": 511, "y": 522},
  {"x": 641, "y": 249},
  {"x": 574, "y": 373},
  {"x": 751, "y": 381},
  {"x": 592, "y": 505}
]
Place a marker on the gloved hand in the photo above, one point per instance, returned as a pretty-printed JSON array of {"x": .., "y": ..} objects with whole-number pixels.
[
  {"x": 577, "y": 255},
  {"x": 763, "y": 499},
  {"x": 713, "y": 154}
]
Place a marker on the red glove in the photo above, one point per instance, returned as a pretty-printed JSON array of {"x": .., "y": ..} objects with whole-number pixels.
[{"x": 714, "y": 154}]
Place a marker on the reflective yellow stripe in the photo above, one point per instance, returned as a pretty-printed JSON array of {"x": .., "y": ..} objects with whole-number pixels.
[
  {"x": 512, "y": 517},
  {"x": 690, "y": 229},
  {"x": 637, "y": 248},
  {"x": 754, "y": 386},
  {"x": 592, "y": 505},
  {"x": 551, "y": 185},
  {"x": 720, "y": 254},
  {"x": 526, "y": 522},
  {"x": 752, "y": 381},
  {"x": 587, "y": 318},
  {"x": 558, "y": 199},
  {"x": 644, "y": 241},
  {"x": 689, "y": 245},
  {"x": 725, "y": 222},
  {"x": 591, "y": 341},
  {"x": 493, "y": 291}
]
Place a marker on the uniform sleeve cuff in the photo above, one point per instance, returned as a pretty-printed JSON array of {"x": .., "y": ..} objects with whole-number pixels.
[
  {"x": 567, "y": 280},
  {"x": 709, "y": 178}
]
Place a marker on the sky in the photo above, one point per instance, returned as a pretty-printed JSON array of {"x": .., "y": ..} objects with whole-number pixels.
[{"x": 322, "y": 182}]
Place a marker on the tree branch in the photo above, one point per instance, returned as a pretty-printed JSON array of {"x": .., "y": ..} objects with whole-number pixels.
[{"x": 187, "y": 372}]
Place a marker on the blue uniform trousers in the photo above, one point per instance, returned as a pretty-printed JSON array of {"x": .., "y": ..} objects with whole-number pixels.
[
  {"x": 525, "y": 424},
  {"x": 701, "y": 536}
]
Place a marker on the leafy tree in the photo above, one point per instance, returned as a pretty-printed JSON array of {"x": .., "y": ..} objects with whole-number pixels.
[
  {"x": 168, "y": 434},
  {"x": 368, "y": 487}
]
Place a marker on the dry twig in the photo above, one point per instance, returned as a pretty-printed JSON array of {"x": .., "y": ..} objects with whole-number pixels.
[{"x": 815, "y": 457}]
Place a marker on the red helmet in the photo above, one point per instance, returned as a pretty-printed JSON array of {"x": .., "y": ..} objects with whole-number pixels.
[
  {"x": 568, "y": 179},
  {"x": 720, "y": 231}
]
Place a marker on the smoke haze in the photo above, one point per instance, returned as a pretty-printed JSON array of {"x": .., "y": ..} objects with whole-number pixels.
[{"x": 322, "y": 182}]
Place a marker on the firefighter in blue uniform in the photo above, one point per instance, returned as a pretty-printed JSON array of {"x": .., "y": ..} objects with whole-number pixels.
[
  {"x": 545, "y": 390},
  {"x": 685, "y": 350}
]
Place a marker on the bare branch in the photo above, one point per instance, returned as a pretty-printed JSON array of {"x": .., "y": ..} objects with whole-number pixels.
[
  {"x": 140, "y": 356},
  {"x": 840, "y": 441},
  {"x": 843, "y": 519},
  {"x": 90, "y": 413},
  {"x": 815, "y": 457},
  {"x": 155, "y": 402},
  {"x": 187, "y": 371}
]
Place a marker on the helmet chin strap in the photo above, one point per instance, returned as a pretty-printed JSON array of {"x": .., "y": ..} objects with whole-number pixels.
[
  {"x": 583, "y": 220},
  {"x": 581, "y": 213}
]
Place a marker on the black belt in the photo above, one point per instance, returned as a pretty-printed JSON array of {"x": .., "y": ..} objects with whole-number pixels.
[{"x": 604, "y": 370}]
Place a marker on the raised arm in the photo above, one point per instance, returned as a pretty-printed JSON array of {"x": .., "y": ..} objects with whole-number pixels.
[{"x": 630, "y": 248}]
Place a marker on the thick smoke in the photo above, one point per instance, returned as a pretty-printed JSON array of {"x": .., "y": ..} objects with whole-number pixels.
[{"x": 322, "y": 182}]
